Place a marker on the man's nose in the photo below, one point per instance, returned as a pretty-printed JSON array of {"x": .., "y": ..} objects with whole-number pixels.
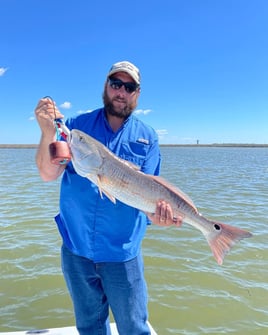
[{"x": 122, "y": 90}]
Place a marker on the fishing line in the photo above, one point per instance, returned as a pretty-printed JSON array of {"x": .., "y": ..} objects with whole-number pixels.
[
  {"x": 59, "y": 150},
  {"x": 55, "y": 118}
]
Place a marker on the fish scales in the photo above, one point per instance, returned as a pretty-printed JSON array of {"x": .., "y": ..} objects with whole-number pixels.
[
  {"x": 121, "y": 180},
  {"x": 136, "y": 189}
]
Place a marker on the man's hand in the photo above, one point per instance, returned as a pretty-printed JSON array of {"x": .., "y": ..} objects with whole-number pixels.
[
  {"x": 163, "y": 215},
  {"x": 45, "y": 112}
]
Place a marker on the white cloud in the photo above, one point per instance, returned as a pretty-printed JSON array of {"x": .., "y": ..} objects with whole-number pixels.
[
  {"x": 2, "y": 71},
  {"x": 66, "y": 105},
  {"x": 31, "y": 118},
  {"x": 162, "y": 132},
  {"x": 83, "y": 112},
  {"x": 143, "y": 111}
]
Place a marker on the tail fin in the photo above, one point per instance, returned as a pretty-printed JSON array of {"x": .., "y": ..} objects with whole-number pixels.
[{"x": 222, "y": 242}]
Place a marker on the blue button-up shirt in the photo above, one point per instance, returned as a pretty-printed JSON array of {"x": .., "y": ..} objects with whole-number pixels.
[{"x": 92, "y": 226}]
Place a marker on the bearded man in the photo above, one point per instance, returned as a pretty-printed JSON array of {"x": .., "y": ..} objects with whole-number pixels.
[{"x": 101, "y": 251}]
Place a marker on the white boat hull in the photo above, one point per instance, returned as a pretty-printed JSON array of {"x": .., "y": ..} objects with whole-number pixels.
[{"x": 62, "y": 331}]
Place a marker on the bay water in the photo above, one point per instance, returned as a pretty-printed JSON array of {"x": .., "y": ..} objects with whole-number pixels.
[{"x": 189, "y": 293}]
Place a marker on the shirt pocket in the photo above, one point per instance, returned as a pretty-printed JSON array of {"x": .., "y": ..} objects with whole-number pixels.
[{"x": 134, "y": 152}]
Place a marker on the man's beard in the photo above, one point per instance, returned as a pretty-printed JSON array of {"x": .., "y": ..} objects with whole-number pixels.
[{"x": 120, "y": 112}]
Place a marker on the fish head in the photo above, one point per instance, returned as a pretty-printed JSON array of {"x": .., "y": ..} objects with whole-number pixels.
[{"x": 86, "y": 158}]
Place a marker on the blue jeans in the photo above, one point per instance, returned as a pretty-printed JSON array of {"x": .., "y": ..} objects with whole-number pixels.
[{"x": 94, "y": 287}]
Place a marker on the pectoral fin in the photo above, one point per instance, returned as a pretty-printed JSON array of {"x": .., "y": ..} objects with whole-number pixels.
[{"x": 102, "y": 191}]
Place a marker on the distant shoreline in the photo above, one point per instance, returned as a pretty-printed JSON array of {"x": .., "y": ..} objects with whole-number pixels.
[
  {"x": 216, "y": 145},
  {"x": 18, "y": 146},
  {"x": 219, "y": 145}
]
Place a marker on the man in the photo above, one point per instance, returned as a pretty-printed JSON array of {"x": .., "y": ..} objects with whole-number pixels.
[{"x": 101, "y": 252}]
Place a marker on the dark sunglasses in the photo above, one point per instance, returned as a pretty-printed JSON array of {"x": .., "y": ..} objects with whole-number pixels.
[{"x": 116, "y": 84}]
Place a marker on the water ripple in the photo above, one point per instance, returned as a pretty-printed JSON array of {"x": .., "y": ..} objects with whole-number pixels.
[{"x": 189, "y": 293}]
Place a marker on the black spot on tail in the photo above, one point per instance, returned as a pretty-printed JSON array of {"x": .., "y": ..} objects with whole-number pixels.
[{"x": 217, "y": 226}]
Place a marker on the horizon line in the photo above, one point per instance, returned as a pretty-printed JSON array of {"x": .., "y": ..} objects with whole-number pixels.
[{"x": 248, "y": 145}]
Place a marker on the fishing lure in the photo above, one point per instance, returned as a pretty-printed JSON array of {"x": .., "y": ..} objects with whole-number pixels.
[{"x": 59, "y": 150}]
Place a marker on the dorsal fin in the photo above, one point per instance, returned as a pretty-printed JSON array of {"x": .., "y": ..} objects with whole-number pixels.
[
  {"x": 174, "y": 189},
  {"x": 130, "y": 164}
]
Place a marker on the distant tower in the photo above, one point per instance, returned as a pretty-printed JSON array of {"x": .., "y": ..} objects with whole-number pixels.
[{"x": 197, "y": 142}]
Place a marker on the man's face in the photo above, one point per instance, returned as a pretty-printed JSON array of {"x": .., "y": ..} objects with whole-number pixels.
[{"x": 118, "y": 100}]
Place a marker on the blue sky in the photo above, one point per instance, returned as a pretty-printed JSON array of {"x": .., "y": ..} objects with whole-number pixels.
[{"x": 203, "y": 64}]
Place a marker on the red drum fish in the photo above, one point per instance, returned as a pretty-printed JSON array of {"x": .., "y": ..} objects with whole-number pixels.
[{"x": 121, "y": 180}]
